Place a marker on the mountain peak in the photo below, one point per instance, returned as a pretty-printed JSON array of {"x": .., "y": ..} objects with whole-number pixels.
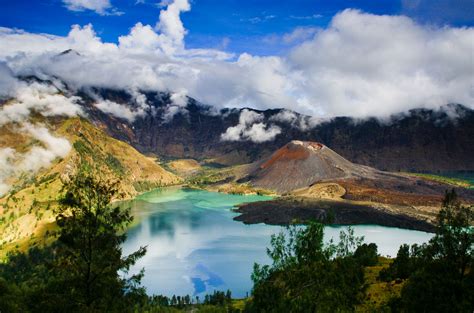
[{"x": 301, "y": 163}]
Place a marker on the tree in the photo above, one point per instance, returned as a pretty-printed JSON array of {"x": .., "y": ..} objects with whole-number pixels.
[
  {"x": 80, "y": 271},
  {"x": 366, "y": 254},
  {"x": 401, "y": 268},
  {"x": 89, "y": 255},
  {"x": 444, "y": 278},
  {"x": 306, "y": 275}
]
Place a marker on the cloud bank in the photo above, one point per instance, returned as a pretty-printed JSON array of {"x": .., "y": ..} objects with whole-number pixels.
[
  {"x": 360, "y": 65},
  {"x": 23, "y": 99}
]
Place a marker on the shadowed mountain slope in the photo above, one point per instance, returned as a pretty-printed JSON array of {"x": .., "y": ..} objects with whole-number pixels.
[{"x": 419, "y": 140}]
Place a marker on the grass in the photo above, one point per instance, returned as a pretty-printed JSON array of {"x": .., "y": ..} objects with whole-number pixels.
[
  {"x": 223, "y": 180},
  {"x": 456, "y": 182},
  {"x": 28, "y": 208},
  {"x": 378, "y": 293},
  {"x": 243, "y": 189}
]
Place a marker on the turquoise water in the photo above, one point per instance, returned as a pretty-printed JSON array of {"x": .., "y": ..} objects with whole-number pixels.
[
  {"x": 195, "y": 247},
  {"x": 468, "y": 176}
]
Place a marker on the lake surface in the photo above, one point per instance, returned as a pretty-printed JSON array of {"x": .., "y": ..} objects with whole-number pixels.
[
  {"x": 468, "y": 176},
  {"x": 195, "y": 247}
]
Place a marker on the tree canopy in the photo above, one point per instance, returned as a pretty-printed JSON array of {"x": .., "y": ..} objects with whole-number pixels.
[
  {"x": 308, "y": 276},
  {"x": 440, "y": 273},
  {"x": 84, "y": 270}
]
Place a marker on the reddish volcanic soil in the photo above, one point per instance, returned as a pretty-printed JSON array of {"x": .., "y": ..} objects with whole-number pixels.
[
  {"x": 317, "y": 182},
  {"x": 301, "y": 164}
]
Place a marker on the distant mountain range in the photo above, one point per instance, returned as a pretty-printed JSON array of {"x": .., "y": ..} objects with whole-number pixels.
[{"x": 419, "y": 140}]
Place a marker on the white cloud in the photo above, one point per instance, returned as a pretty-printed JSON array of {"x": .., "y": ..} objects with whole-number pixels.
[
  {"x": 302, "y": 122},
  {"x": 43, "y": 99},
  {"x": 39, "y": 156},
  {"x": 365, "y": 64},
  {"x": 117, "y": 109},
  {"x": 360, "y": 65},
  {"x": 128, "y": 111},
  {"x": 6, "y": 168},
  {"x": 171, "y": 27},
  {"x": 299, "y": 34},
  {"x": 28, "y": 98},
  {"x": 142, "y": 38},
  {"x": 306, "y": 17},
  {"x": 102, "y": 7},
  {"x": 8, "y": 83},
  {"x": 179, "y": 101},
  {"x": 251, "y": 128}
]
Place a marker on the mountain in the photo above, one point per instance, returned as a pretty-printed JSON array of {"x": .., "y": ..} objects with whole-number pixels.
[
  {"x": 419, "y": 140},
  {"x": 316, "y": 183},
  {"x": 311, "y": 167},
  {"x": 27, "y": 211},
  {"x": 121, "y": 132},
  {"x": 300, "y": 164}
]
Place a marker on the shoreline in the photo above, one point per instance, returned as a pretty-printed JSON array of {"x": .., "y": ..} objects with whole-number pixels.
[
  {"x": 286, "y": 211},
  {"x": 283, "y": 211}
]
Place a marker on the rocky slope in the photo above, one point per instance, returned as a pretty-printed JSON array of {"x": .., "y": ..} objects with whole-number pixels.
[
  {"x": 304, "y": 166},
  {"x": 300, "y": 164}
]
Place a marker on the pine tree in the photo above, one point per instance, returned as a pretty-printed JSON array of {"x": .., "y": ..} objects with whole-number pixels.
[{"x": 89, "y": 255}]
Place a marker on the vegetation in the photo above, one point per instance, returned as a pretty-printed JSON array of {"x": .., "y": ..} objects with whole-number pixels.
[
  {"x": 84, "y": 269},
  {"x": 440, "y": 275},
  {"x": 80, "y": 271},
  {"x": 308, "y": 276},
  {"x": 28, "y": 210},
  {"x": 209, "y": 176},
  {"x": 457, "y": 182}
]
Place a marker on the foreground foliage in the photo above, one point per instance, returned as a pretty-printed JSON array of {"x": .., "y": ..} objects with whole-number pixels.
[
  {"x": 84, "y": 269},
  {"x": 309, "y": 276},
  {"x": 80, "y": 271},
  {"x": 440, "y": 274}
]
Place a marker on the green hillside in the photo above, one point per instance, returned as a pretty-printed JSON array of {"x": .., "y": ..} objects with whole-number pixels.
[{"x": 27, "y": 211}]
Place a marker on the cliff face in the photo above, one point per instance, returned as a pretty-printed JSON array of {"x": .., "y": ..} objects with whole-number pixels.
[{"x": 421, "y": 140}]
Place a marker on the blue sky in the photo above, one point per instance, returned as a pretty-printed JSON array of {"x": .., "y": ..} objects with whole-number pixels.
[{"x": 232, "y": 25}]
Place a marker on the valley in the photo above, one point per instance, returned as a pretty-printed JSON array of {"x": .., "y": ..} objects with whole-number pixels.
[
  {"x": 182, "y": 156},
  {"x": 310, "y": 180}
]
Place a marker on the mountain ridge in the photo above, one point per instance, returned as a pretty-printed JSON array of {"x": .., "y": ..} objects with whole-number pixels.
[{"x": 422, "y": 140}]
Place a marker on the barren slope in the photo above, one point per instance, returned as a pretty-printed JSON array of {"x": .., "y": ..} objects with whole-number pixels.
[{"x": 300, "y": 164}]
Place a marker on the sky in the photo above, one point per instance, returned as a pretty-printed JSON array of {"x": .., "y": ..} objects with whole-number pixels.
[
  {"x": 231, "y": 25},
  {"x": 358, "y": 58}
]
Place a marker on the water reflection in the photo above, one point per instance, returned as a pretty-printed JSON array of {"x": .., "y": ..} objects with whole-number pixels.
[{"x": 194, "y": 246}]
